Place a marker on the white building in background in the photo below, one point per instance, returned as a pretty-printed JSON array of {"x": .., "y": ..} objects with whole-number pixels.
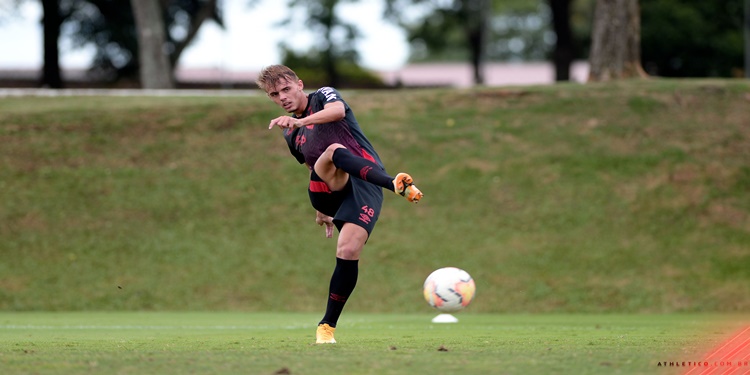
[
  {"x": 428, "y": 75},
  {"x": 495, "y": 74},
  {"x": 455, "y": 75}
]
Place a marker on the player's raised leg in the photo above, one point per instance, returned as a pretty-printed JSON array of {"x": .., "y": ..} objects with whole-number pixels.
[{"x": 342, "y": 159}]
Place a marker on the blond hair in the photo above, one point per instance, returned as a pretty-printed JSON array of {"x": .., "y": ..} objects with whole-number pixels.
[{"x": 271, "y": 75}]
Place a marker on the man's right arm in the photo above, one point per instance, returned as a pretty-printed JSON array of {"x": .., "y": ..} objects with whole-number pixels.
[{"x": 331, "y": 112}]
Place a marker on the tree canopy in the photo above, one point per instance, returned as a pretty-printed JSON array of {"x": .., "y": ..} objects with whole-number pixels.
[
  {"x": 678, "y": 38},
  {"x": 109, "y": 26},
  {"x": 692, "y": 38}
]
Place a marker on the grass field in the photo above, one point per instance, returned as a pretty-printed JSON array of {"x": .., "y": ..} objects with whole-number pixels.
[
  {"x": 607, "y": 227},
  {"x": 624, "y": 197},
  {"x": 271, "y": 343}
]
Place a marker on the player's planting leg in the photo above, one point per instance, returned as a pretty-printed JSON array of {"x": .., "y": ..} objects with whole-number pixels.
[
  {"x": 343, "y": 281},
  {"x": 352, "y": 239}
]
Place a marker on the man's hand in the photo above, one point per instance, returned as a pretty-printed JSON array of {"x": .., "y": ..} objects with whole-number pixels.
[
  {"x": 327, "y": 220},
  {"x": 285, "y": 122}
]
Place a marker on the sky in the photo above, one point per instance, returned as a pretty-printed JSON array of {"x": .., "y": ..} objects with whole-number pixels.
[{"x": 249, "y": 41}]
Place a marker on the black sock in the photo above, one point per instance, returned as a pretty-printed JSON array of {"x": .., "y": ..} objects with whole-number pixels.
[
  {"x": 362, "y": 168},
  {"x": 342, "y": 284}
]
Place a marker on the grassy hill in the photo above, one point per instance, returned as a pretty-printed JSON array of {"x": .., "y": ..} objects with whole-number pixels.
[{"x": 624, "y": 197}]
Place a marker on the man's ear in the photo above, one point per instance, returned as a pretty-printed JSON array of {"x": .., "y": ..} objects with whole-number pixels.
[{"x": 300, "y": 85}]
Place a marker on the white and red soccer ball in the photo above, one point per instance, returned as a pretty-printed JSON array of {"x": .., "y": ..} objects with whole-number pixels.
[{"x": 449, "y": 289}]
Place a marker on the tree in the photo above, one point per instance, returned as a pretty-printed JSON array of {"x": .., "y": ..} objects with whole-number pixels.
[
  {"x": 449, "y": 24},
  {"x": 616, "y": 41},
  {"x": 52, "y": 19},
  {"x": 746, "y": 29},
  {"x": 332, "y": 60},
  {"x": 54, "y": 14},
  {"x": 520, "y": 35},
  {"x": 477, "y": 14},
  {"x": 155, "y": 68},
  {"x": 329, "y": 52},
  {"x": 109, "y": 25},
  {"x": 188, "y": 16},
  {"x": 563, "y": 53},
  {"x": 692, "y": 38},
  {"x": 488, "y": 30}
]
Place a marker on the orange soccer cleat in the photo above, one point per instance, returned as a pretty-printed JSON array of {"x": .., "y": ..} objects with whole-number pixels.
[
  {"x": 324, "y": 334},
  {"x": 404, "y": 185}
]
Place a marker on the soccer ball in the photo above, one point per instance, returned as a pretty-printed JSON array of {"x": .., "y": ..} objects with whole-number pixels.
[{"x": 449, "y": 289}]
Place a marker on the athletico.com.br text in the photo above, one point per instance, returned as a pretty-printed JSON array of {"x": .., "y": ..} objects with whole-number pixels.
[{"x": 704, "y": 364}]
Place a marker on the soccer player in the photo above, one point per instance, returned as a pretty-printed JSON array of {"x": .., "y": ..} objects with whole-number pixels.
[{"x": 347, "y": 177}]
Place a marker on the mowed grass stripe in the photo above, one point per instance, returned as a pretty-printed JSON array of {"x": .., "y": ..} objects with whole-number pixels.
[{"x": 369, "y": 343}]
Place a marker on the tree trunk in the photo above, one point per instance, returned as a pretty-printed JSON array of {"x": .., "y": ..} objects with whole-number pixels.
[
  {"x": 616, "y": 41},
  {"x": 477, "y": 13},
  {"x": 563, "y": 53},
  {"x": 51, "y": 21},
  {"x": 155, "y": 68},
  {"x": 747, "y": 38},
  {"x": 327, "y": 17}
]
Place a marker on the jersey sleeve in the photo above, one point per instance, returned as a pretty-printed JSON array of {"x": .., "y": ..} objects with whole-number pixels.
[
  {"x": 289, "y": 138},
  {"x": 326, "y": 95}
]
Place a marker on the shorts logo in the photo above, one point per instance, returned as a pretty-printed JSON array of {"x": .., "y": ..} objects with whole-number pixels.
[
  {"x": 366, "y": 215},
  {"x": 364, "y": 171}
]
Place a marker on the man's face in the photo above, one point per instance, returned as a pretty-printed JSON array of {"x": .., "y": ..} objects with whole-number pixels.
[{"x": 288, "y": 95}]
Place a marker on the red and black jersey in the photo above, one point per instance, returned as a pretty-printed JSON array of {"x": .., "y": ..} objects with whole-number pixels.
[{"x": 309, "y": 142}]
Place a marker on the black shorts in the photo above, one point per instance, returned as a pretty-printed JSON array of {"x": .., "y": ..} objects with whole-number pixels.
[{"x": 358, "y": 203}]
